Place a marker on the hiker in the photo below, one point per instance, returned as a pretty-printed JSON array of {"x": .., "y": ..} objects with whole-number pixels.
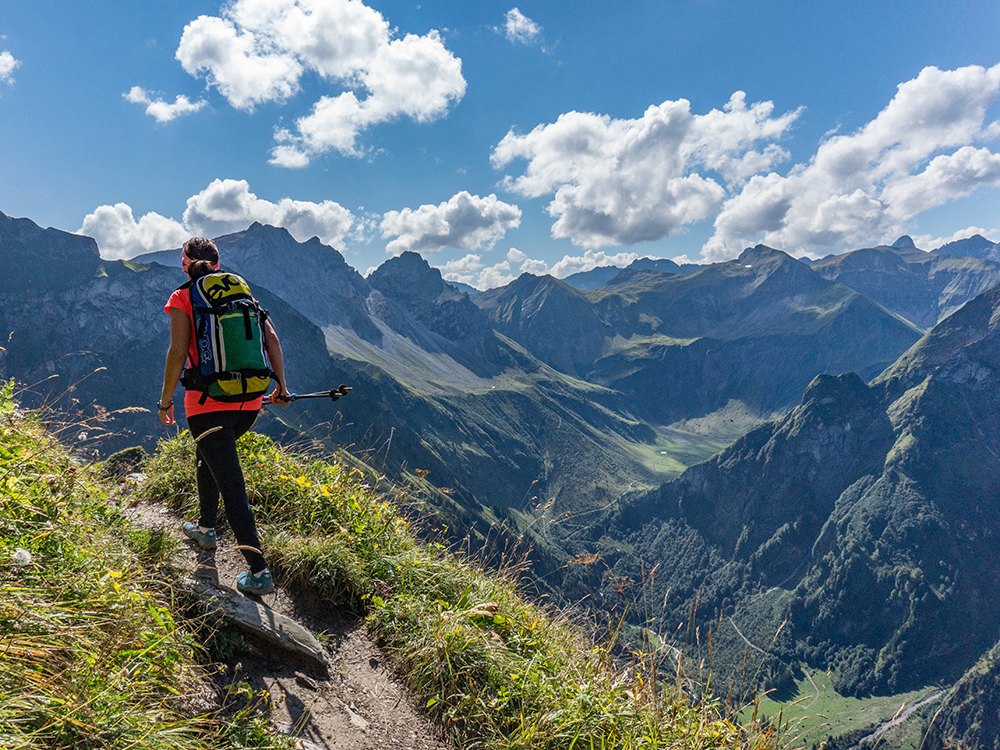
[{"x": 216, "y": 424}]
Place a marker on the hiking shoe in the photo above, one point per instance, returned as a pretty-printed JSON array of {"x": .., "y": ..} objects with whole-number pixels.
[
  {"x": 255, "y": 583},
  {"x": 204, "y": 539}
]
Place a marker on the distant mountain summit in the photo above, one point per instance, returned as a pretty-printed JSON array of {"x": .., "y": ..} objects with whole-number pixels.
[
  {"x": 922, "y": 287},
  {"x": 976, "y": 246},
  {"x": 598, "y": 277}
]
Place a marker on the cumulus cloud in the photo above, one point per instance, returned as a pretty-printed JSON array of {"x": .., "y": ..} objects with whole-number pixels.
[
  {"x": 223, "y": 207},
  {"x": 119, "y": 235},
  {"x": 161, "y": 110},
  {"x": 465, "y": 222},
  {"x": 257, "y": 51},
  {"x": 863, "y": 187},
  {"x": 470, "y": 270},
  {"x": 521, "y": 29},
  {"x": 7, "y": 66},
  {"x": 619, "y": 182},
  {"x": 229, "y": 206}
]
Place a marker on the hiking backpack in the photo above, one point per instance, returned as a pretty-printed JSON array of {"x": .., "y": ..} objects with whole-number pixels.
[{"x": 229, "y": 332}]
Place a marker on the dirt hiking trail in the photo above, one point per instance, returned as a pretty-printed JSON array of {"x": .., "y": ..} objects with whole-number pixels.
[{"x": 355, "y": 704}]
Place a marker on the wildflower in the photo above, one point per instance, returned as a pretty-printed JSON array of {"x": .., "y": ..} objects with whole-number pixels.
[{"x": 21, "y": 557}]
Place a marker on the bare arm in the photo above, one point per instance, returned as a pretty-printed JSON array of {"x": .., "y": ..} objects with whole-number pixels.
[
  {"x": 180, "y": 340},
  {"x": 273, "y": 347}
]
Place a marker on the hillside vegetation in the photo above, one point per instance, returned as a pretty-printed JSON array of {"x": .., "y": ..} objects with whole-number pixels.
[{"x": 98, "y": 654}]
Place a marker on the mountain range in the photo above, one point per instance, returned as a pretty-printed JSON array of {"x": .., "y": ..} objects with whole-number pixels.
[{"x": 780, "y": 441}]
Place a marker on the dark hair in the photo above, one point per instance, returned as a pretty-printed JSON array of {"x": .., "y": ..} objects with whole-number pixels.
[
  {"x": 201, "y": 248},
  {"x": 200, "y": 268}
]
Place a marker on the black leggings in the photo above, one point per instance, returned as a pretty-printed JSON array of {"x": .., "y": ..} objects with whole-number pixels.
[{"x": 215, "y": 435}]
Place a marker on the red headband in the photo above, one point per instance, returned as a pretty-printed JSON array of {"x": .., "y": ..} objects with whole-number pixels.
[{"x": 187, "y": 260}]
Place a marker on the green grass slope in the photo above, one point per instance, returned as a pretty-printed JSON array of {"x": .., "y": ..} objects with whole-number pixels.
[{"x": 97, "y": 656}]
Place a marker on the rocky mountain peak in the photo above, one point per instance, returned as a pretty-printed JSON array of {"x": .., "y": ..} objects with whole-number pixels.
[
  {"x": 411, "y": 279},
  {"x": 904, "y": 241},
  {"x": 975, "y": 246},
  {"x": 49, "y": 258},
  {"x": 409, "y": 283}
]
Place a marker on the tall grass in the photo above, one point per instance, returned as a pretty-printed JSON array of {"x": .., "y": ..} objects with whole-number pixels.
[
  {"x": 91, "y": 655},
  {"x": 494, "y": 668}
]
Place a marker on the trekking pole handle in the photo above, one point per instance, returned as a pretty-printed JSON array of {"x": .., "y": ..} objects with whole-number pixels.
[{"x": 333, "y": 395}]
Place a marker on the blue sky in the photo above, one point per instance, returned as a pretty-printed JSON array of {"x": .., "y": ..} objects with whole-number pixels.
[{"x": 496, "y": 138}]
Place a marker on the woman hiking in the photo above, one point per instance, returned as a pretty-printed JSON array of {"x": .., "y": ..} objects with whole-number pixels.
[{"x": 216, "y": 425}]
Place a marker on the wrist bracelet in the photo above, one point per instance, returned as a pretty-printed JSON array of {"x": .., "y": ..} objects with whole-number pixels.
[{"x": 161, "y": 407}]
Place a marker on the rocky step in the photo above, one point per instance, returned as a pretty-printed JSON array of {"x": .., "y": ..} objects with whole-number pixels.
[{"x": 259, "y": 620}]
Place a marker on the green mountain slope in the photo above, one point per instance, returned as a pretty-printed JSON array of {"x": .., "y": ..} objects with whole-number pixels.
[{"x": 856, "y": 535}]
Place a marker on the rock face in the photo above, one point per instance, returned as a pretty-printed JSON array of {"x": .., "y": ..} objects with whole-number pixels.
[
  {"x": 552, "y": 320},
  {"x": 412, "y": 299},
  {"x": 44, "y": 260},
  {"x": 970, "y": 716},
  {"x": 922, "y": 287},
  {"x": 867, "y": 520}
]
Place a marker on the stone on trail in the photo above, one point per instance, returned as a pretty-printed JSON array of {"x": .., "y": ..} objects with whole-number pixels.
[{"x": 261, "y": 620}]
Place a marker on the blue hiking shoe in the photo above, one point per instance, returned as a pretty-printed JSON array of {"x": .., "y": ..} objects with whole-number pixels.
[
  {"x": 204, "y": 539},
  {"x": 255, "y": 583}
]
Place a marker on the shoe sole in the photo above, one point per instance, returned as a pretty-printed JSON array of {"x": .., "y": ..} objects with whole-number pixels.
[
  {"x": 256, "y": 592},
  {"x": 203, "y": 545}
]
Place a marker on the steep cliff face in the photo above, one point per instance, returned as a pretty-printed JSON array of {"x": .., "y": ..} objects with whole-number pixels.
[
  {"x": 44, "y": 260},
  {"x": 552, "y": 320},
  {"x": 970, "y": 715},
  {"x": 412, "y": 299}
]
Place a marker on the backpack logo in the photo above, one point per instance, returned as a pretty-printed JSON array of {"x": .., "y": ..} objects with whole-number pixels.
[{"x": 229, "y": 331}]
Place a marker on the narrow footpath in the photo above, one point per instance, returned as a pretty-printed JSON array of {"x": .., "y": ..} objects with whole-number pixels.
[{"x": 330, "y": 687}]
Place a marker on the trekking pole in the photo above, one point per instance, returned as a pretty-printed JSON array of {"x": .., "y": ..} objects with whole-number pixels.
[{"x": 333, "y": 395}]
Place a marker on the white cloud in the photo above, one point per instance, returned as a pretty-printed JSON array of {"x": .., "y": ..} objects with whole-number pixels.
[
  {"x": 7, "y": 66},
  {"x": 590, "y": 260},
  {"x": 569, "y": 264},
  {"x": 119, "y": 235},
  {"x": 465, "y": 222},
  {"x": 229, "y": 206},
  {"x": 521, "y": 29},
  {"x": 619, "y": 182},
  {"x": 862, "y": 188},
  {"x": 495, "y": 276},
  {"x": 469, "y": 270},
  {"x": 161, "y": 110},
  {"x": 257, "y": 51},
  {"x": 223, "y": 207}
]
